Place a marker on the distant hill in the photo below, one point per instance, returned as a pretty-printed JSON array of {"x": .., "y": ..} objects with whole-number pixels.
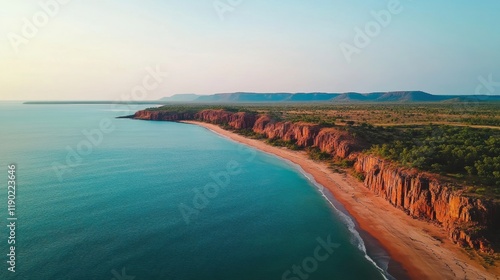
[
  {"x": 348, "y": 97},
  {"x": 267, "y": 97},
  {"x": 314, "y": 96},
  {"x": 181, "y": 97},
  {"x": 394, "y": 96}
]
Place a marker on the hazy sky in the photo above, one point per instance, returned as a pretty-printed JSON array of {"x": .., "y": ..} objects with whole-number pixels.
[{"x": 99, "y": 49}]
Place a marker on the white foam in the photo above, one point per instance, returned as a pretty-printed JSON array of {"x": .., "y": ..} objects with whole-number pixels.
[{"x": 357, "y": 240}]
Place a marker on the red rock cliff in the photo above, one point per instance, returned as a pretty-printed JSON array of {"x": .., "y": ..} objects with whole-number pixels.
[
  {"x": 423, "y": 196},
  {"x": 337, "y": 142},
  {"x": 162, "y": 116},
  {"x": 239, "y": 120},
  {"x": 301, "y": 133}
]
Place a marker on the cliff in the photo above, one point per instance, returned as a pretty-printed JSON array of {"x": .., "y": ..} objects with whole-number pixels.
[
  {"x": 239, "y": 120},
  {"x": 469, "y": 221},
  {"x": 303, "y": 134},
  {"x": 162, "y": 116}
]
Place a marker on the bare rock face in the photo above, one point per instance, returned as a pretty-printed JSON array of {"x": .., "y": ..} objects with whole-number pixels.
[
  {"x": 470, "y": 237},
  {"x": 303, "y": 134},
  {"x": 214, "y": 116},
  {"x": 261, "y": 124},
  {"x": 278, "y": 130},
  {"x": 240, "y": 120},
  {"x": 421, "y": 195},
  {"x": 336, "y": 142}
]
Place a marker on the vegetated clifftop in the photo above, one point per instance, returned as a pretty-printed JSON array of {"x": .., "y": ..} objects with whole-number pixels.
[
  {"x": 470, "y": 222},
  {"x": 239, "y": 120},
  {"x": 162, "y": 115}
]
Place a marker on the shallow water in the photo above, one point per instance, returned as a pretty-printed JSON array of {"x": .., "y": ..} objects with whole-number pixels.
[{"x": 92, "y": 207}]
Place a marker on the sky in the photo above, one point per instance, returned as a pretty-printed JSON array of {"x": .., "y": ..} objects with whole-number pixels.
[{"x": 148, "y": 49}]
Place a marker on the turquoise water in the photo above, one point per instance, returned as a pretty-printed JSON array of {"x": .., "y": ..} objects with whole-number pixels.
[{"x": 133, "y": 203}]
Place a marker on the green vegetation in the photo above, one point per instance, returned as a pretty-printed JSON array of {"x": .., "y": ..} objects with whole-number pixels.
[
  {"x": 316, "y": 154},
  {"x": 460, "y": 152},
  {"x": 247, "y": 133},
  {"x": 359, "y": 176},
  {"x": 482, "y": 121},
  {"x": 282, "y": 143}
]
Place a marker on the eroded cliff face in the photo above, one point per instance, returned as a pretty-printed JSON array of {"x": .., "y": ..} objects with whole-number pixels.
[
  {"x": 303, "y": 134},
  {"x": 162, "y": 116},
  {"x": 239, "y": 120},
  {"x": 467, "y": 220},
  {"x": 337, "y": 142},
  {"x": 422, "y": 196}
]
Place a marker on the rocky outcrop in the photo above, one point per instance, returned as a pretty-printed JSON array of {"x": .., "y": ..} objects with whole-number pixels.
[
  {"x": 162, "y": 116},
  {"x": 303, "y": 134},
  {"x": 421, "y": 195},
  {"x": 337, "y": 142},
  {"x": 239, "y": 120},
  {"x": 261, "y": 124}
]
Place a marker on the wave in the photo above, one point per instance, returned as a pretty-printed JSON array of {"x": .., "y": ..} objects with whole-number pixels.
[{"x": 345, "y": 218}]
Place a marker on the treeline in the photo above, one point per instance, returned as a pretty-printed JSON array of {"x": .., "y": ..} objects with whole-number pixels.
[
  {"x": 482, "y": 121},
  {"x": 277, "y": 142},
  {"x": 457, "y": 151}
]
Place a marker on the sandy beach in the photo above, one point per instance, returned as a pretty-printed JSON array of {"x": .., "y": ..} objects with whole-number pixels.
[{"x": 422, "y": 248}]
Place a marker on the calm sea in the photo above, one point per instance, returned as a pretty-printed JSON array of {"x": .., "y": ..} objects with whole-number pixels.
[{"x": 105, "y": 198}]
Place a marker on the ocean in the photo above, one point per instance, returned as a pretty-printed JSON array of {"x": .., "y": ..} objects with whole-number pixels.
[{"x": 105, "y": 198}]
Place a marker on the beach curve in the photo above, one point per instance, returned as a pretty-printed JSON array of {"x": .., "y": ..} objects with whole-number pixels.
[{"x": 421, "y": 248}]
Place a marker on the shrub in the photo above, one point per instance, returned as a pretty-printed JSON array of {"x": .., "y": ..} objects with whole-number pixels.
[
  {"x": 358, "y": 175},
  {"x": 316, "y": 154}
]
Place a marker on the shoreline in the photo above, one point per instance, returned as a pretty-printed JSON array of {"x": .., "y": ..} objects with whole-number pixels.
[
  {"x": 422, "y": 249},
  {"x": 369, "y": 242}
]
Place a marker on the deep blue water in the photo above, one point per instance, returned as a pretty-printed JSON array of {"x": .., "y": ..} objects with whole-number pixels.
[{"x": 115, "y": 207}]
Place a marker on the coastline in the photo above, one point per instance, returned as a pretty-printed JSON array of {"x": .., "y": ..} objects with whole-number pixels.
[{"x": 421, "y": 248}]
